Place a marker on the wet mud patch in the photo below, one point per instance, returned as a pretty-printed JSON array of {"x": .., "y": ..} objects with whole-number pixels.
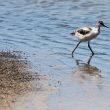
[{"x": 16, "y": 78}]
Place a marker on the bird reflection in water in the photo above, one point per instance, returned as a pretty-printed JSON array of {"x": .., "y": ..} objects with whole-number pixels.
[
  {"x": 88, "y": 62},
  {"x": 86, "y": 71}
]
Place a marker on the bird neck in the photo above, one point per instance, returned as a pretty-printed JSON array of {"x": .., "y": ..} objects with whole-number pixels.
[{"x": 98, "y": 27}]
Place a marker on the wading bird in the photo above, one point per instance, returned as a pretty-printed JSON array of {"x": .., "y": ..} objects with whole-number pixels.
[{"x": 87, "y": 33}]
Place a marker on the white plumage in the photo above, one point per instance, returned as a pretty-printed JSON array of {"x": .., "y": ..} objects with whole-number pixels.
[
  {"x": 90, "y": 33},
  {"x": 87, "y": 33}
]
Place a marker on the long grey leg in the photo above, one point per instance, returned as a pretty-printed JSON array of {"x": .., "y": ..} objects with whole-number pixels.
[
  {"x": 76, "y": 47},
  {"x": 90, "y": 48}
]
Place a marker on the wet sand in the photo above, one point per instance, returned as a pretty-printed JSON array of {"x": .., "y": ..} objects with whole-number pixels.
[{"x": 18, "y": 82}]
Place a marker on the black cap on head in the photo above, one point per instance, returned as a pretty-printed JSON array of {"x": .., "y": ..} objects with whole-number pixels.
[{"x": 102, "y": 24}]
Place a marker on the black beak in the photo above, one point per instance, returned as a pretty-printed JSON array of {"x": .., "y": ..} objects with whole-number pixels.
[{"x": 105, "y": 26}]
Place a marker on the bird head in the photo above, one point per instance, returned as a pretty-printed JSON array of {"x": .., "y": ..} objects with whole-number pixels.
[{"x": 101, "y": 24}]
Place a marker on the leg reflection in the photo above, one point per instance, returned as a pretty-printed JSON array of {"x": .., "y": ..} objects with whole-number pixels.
[
  {"x": 78, "y": 62},
  {"x": 86, "y": 69},
  {"x": 89, "y": 60}
]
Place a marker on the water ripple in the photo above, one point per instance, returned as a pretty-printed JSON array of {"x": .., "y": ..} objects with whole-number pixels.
[{"x": 41, "y": 29}]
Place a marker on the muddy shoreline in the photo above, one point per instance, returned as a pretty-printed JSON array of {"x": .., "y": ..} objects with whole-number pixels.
[{"x": 15, "y": 78}]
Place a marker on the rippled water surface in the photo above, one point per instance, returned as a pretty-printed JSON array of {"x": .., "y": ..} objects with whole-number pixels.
[{"x": 41, "y": 29}]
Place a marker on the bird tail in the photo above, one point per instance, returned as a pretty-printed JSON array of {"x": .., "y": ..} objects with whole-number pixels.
[{"x": 73, "y": 33}]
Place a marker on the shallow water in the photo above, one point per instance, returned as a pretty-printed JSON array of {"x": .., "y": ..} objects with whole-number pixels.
[{"x": 41, "y": 29}]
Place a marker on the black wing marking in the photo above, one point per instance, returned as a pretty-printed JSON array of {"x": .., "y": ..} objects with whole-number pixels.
[{"x": 84, "y": 32}]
